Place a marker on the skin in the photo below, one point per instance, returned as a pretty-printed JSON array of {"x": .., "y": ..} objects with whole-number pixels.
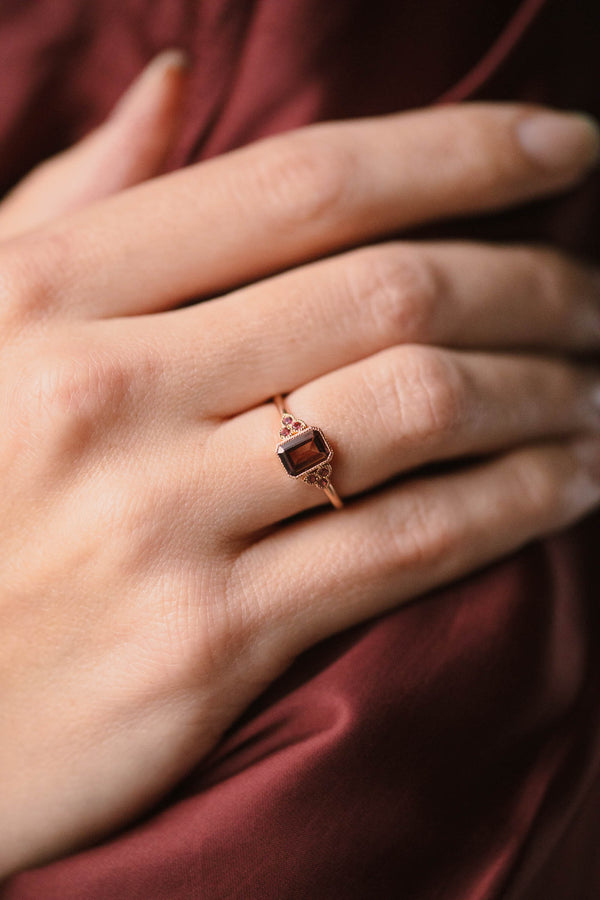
[{"x": 147, "y": 529}]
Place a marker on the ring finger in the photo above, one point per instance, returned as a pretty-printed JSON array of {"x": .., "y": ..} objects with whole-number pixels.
[{"x": 398, "y": 410}]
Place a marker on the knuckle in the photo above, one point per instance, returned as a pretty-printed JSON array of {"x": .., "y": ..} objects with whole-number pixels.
[
  {"x": 426, "y": 535},
  {"x": 67, "y": 395},
  {"x": 557, "y": 290},
  {"x": 204, "y": 638},
  {"x": 300, "y": 179},
  {"x": 400, "y": 288},
  {"x": 199, "y": 637},
  {"x": 28, "y": 290},
  {"x": 22, "y": 287},
  {"x": 552, "y": 278},
  {"x": 426, "y": 390},
  {"x": 537, "y": 489}
]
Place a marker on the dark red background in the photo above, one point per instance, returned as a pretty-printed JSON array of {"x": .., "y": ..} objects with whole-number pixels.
[{"x": 450, "y": 750}]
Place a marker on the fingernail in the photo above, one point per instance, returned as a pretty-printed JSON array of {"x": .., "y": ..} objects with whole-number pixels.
[
  {"x": 167, "y": 61},
  {"x": 173, "y": 58},
  {"x": 560, "y": 140},
  {"x": 587, "y": 452}
]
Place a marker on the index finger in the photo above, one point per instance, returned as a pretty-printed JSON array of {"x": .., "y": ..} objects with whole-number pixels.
[{"x": 301, "y": 195}]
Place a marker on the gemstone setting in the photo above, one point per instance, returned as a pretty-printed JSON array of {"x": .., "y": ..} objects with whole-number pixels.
[{"x": 304, "y": 451}]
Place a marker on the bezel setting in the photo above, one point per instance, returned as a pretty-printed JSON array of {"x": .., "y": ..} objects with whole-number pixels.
[{"x": 299, "y": 439}]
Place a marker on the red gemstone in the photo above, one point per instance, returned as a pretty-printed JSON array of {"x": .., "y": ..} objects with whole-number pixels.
[
  {"x": 284, "y": 432},
  {"x": 297, "y": 425},
  {"x": 287, "y": 420},
  {"x": 303, "y": 451}
]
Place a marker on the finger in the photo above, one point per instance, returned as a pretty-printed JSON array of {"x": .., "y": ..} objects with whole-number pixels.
[
  {"x": 128, "y": 148},
  {"x": 399, "y": 410},
  {"x": 340, "y": 568},
  {"x": 297, "y": 196},
  {"x": 343, "y": 309}
]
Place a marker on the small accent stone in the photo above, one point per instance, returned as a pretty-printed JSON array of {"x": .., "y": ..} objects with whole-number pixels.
[
  {"x": 287, "y": 420},
  {"x": 284, "y": 432},
  {"x": 297, "y": 425}
]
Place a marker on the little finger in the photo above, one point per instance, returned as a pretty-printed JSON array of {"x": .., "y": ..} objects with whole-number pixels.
[{"x": 341, "y": 568}]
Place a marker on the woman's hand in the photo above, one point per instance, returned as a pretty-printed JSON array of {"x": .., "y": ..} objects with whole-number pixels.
[{"x": 154, "y": 573}]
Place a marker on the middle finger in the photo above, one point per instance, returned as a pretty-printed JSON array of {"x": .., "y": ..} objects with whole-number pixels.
[{"x": 270, "y": 338}]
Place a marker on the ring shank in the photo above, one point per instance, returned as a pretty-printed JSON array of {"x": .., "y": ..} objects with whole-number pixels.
[
  {"x": 333, "y": 496},
  {"x": 281, "y": 409}
]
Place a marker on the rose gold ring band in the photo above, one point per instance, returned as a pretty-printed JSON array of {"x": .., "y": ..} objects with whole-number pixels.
[{"x": 304, "y": 452}]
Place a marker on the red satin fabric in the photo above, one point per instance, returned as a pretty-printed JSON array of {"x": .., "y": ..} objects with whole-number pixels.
[{"x": 451, "y": 749}]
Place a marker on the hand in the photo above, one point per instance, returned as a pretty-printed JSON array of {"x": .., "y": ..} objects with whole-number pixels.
[{"x": 154, "y": 574}]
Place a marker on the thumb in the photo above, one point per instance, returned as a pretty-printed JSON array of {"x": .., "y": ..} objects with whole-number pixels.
[{"x": 129, "y": 147}]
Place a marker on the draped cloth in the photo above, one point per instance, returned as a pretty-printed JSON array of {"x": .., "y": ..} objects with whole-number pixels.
[{"x": 449, "y": 749}]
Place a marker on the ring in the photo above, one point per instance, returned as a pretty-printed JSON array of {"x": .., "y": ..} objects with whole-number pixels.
[{"x": 305, "y": 453}]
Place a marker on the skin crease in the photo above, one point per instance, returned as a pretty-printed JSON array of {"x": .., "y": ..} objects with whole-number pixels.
[{"x": 143, "y": 603}]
